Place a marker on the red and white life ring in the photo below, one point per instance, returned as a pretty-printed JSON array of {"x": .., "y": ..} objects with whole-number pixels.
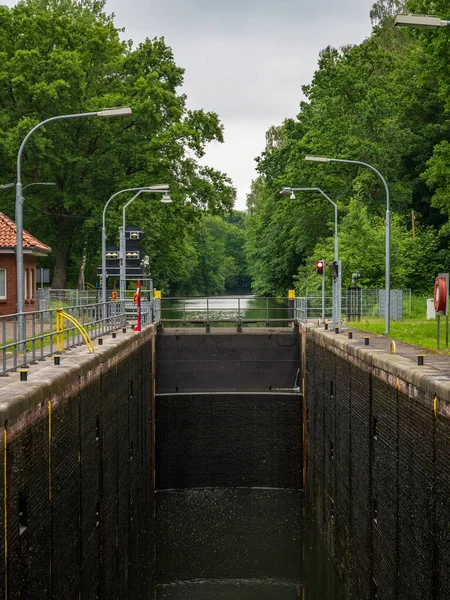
[{"x": 440, "y": 294}]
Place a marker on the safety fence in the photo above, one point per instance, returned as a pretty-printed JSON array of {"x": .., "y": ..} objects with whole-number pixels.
[
  {"x": 44, "y": 335},
  {"x": 48, "y": 298},
  {"x": 226, "y": 310},
  {"x": 356, "y": 303}
]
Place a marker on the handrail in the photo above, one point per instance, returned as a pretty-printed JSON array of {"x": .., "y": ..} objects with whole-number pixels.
[
  {"x": 60, "y": 316},
  {"x": 227, "y": 309}
]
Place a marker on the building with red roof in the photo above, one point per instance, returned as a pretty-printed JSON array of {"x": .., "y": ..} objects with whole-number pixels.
[{"x": 32, "y": 249}]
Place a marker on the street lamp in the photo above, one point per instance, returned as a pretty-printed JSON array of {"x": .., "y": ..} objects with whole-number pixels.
[
  {"x": 37, "y": 183},
  {"x": 421, "y": 21},
  {"x": 104, "y": 235},
  {"x": 8, "y": 185},
  {"x": 166, "y": 199},
  {"x": 323, "y": 159},
  {"x": 337, "y": 299},
  {"x": 107, "y": 112}
]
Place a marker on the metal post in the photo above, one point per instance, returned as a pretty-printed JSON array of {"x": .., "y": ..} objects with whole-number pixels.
[
  {"x": 438, "y": 345},
  {"x": 333, "y": 301},
  {"x": 323, "y": 292},
  {"x": 339, "y": 295},
  {"x": 122, "y": 263}
]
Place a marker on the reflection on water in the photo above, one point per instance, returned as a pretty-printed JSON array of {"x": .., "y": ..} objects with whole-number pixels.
[{"x": 247, "y": 544}]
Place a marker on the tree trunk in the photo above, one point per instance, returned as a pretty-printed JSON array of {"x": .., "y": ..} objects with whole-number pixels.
[{"x": 61, "y": 265}]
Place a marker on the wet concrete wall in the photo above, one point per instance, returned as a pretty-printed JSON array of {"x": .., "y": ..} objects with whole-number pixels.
[
  {"x": 77, "y": 491},
  {"x": 229, "y": 465},
  {"x": 224, "y": 360},
  {"x": 228, "y": 440},
  {"x": 378, "y": 469}
]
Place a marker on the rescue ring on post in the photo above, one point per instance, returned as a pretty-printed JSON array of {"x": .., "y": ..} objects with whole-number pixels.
[
  {"x": 114, "y": 295},
  {"x": 136, "y": 298},
  {"x": 440, "y": 294}
]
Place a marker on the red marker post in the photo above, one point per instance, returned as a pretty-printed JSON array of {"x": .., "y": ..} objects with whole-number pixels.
[{"x": 137, "y": 300}]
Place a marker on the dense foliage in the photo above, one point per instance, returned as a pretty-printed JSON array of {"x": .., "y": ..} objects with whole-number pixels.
[
  {"x": 384, "y": 102},
  {"x": 61, "y": 57}
]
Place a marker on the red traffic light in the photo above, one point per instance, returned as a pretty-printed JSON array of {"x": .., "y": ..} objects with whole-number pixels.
[{"x": 319, "y": 267}]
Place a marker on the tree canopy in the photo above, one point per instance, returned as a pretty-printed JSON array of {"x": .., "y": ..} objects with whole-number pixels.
[
  {"x": 384, "y": 102},
  {"x": 62, "y": 57}
]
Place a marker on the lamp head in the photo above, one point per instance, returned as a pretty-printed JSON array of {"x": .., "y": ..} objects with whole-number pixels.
[
  {"x": 419, "y": 21},
  {"x": 285, "y": 191},
  {"x": 292, "y": 196},
  {"x": 166, "y": 199},
  {"x": 114, "y": 112},
  {"x": 6, "y": 185},
  {"x": 160, "y": 187},
  {"x": 321, "y": 159}
]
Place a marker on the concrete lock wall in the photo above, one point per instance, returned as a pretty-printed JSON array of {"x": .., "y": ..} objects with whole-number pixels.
[
  {"x": 378, "y": 469},
  {"x": 77, "y": 490},
  {"x": 226, "y": 412},
  {"x": 228, "y": 464},
  {"x": 223, "y": 360},
  {"x": 79, "y": 463}
]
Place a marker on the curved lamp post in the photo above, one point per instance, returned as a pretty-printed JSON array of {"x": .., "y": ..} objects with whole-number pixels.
[
  {"x": 323, "y": 159},
  {"x": 108, "y": 112},
  {"x": 164, "y": 188},
  {"x": 337, "y": 299},
  {"x": 136, "y": 189},
  {"x": 161, "y": 189}
]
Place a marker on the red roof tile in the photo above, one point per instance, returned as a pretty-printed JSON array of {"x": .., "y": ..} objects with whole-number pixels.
[{"x": 8, "y": 236}]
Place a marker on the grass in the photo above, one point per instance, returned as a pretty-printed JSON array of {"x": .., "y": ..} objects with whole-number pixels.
[{"x": 415, "y": 329}]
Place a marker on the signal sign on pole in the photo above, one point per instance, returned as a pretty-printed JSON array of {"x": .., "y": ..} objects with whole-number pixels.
[{"x": 319, "y": 267}]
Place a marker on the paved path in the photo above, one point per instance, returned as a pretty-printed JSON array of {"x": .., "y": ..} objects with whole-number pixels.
[{"x": 435, "y": 359}]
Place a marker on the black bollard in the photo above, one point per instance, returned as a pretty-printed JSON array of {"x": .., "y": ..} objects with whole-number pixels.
[{"x": 23, "y": 374}]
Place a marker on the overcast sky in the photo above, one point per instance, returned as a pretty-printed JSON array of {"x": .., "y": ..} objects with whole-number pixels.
[{"x": 245, "y": 60}]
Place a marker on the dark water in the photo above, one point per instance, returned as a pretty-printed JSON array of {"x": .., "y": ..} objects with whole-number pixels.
[{"x": 248, "y": 544}]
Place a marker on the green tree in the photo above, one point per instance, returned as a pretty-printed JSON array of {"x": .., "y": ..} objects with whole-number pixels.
[
  {"x": 383, "y": 102},
  {"x": 62, "y": 57}
]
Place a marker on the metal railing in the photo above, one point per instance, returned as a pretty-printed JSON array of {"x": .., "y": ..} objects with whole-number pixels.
[
  {"x": 369, "y": 303},
  {"x": 48, "y": 298},
  {"x": 41, "y": 332},
  {"x": 224, "y": 310}
]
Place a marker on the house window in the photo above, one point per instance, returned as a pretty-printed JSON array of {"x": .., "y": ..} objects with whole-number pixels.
[
  {"x": 2, "y": 284},
  {"x": 30, "y": 286}
]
